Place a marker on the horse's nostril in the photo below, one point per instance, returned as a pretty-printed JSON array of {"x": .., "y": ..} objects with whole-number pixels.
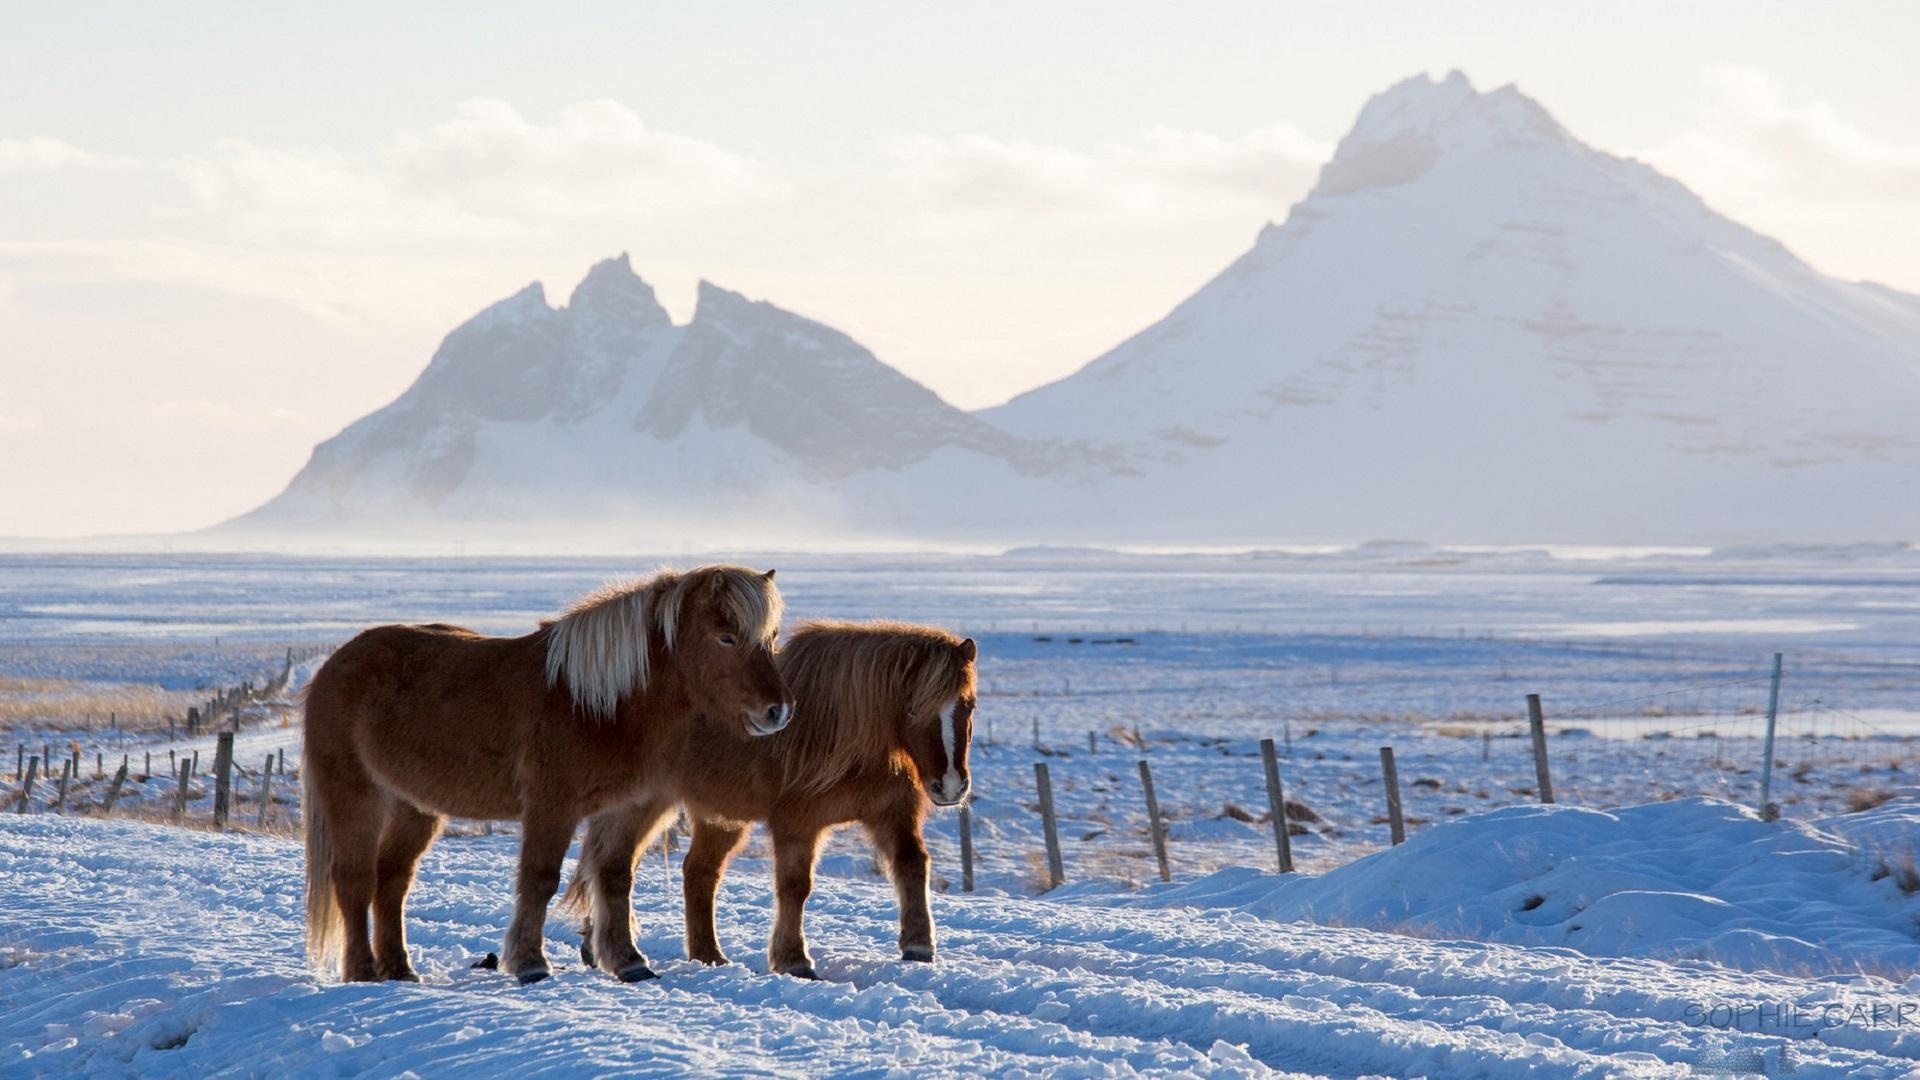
[{"x": 776, "y": 714}]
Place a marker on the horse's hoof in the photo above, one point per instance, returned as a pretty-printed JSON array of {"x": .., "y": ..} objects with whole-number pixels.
[
  {"x": 637, "y": 973},
  {"x": 528, "y": 978},
  {"x": 489, "y": 962},
  {"x": 714, "y": 960},
  {"x": 919, "y": 954},
  {"x": 586, "y": 952},
  {"x": 403, "y": 976},
  {"x": 804, "y": 971}
]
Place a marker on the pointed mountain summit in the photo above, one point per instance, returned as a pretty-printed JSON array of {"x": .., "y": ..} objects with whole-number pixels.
[{"x": 1472, "y": 306}]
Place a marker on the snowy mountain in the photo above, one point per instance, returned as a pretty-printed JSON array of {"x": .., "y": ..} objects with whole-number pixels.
[
  {"x": 604, "y": 415},
  {"x": 1476, "y": 327}
]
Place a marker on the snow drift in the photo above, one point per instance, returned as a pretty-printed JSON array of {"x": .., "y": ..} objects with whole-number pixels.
[{"x": 1688, "y": 879}]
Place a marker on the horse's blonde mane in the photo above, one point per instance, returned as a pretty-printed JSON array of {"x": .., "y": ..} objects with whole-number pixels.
[
  {"x": 853, "y": 684},
  {"x": 599, "y": 646}
]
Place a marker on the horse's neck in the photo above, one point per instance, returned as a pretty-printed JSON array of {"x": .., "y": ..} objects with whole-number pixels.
[{"x": 664, "y": 707}]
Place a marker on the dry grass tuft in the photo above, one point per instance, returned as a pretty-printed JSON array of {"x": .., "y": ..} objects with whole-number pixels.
[{"x": 1866, "y": 798}]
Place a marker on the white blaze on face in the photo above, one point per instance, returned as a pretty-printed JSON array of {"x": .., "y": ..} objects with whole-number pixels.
[{"x": 950, "y": 785}]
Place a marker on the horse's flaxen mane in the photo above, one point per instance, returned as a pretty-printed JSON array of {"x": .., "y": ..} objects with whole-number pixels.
[
  {"x": 853, "y": 685},
  {"x": 599, "y": 646}
]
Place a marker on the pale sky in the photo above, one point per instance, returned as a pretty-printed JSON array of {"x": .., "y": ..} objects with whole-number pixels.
[{"x": 229, "y": 229}]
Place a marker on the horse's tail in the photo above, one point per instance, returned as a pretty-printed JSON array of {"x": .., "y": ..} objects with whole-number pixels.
[
  {"x": 324, "y": 921},
  {"x": 577, "y": 899}
]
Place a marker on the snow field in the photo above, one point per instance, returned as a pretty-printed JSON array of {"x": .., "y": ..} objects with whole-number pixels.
[{"x": 209, "y": 979}]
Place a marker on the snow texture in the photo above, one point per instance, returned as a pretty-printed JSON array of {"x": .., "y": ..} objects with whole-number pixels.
[{"x": 134, "y": 949}]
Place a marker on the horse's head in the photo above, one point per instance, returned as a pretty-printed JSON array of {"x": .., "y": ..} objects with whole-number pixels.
[
  {"x": 724, "y": 626},
  {"x": 939, "y": 728}
]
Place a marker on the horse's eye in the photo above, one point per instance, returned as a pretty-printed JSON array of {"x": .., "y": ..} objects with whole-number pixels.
[{"x": 728, "y": 640}]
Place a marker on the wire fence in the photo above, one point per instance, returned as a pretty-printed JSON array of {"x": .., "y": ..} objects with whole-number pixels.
[{"x": 1701, "y": 738}]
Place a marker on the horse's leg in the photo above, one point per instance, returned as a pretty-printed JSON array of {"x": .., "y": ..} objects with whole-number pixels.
[
  {"x": 793, "y": 854},
  {"x": 408, "y": 832},
  {"x": 714, "y": 843},
  {"x": 614, "y": 841},
  {"x": 543, "y": 848},
  {"x": 356, "y": 811},
  {"x": 897, "y": 837}
]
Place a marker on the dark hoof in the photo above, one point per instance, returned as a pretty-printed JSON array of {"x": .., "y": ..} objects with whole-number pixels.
[
  {"x": 403, "y": 976},
  {"x": 804, "y": 971},
  {"x": 586, "y": 952},
  {"x": 919, "y": 954},
  {"x": 637, "y": 973},
  {"x": 528, "y": 978},
  {"x": 489, "y": 962}
]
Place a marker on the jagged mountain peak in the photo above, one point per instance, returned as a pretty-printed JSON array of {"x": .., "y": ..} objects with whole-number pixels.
[
  {"x": 612, "y": 289},
  {"x": 1406, "y": 129}
]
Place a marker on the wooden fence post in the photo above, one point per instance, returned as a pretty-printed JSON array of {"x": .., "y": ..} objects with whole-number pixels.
[
  {"x": 266, "y": 792},
  {"x": 26, "y": 791},
  {"x": 99, "y": 765},
  {"x": 1486, "y": 746},
  {"x": 1155, "y": 827},
  {"x": 1537, "y": 721},
  {"x": 1092, "y": 746},
  {"x": 113, "y": 791},
  {"x": 283, "y": 761},
  {"x": 1056, "y": 872},
  {"x": 966, "y": 849},
  {"x": 1768, "y": 810},
  {"x": 1392, "y": 778},
  {"x": 180, "y": 793},
  {"x": 1036, "y": 733},
  {"x": 1277, "y": 808},
  {"x": 60, "y": 800},
  {"x": 222, "y": 779},
  {"x": 19, "y": 762}
]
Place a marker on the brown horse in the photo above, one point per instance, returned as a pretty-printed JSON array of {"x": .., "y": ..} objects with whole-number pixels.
[
  {"x": 885, "y": 714},
  {"x": 407, "y": 725}
]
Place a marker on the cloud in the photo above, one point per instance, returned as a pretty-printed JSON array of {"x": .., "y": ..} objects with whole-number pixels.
[
  {"x": 219, "y": 414},
  {"x": 487, "y": 174},
  {"x": 21, "y": 424},
  {"x": 1160, "y": 176},
  {"x": 40, "y": 154},
  {"x": 1801, "y": 172}
]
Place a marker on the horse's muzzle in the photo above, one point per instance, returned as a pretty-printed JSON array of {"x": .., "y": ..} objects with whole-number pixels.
[
  {"x": 941, "y": 794},
  {"x": 775, "y": 718}
]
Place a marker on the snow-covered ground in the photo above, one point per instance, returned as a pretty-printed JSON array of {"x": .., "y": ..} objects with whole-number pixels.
[
  {"x": 1652, "y": 666},
  {"x": 140, "y": 949}
]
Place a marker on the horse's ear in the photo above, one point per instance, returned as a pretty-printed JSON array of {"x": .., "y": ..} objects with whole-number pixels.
[
  {"x": 768, "y": 575},
  {"x": 968, "y": 650}
]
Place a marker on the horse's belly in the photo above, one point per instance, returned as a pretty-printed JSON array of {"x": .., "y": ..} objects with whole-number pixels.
[{"x": 460, "y": 775}]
